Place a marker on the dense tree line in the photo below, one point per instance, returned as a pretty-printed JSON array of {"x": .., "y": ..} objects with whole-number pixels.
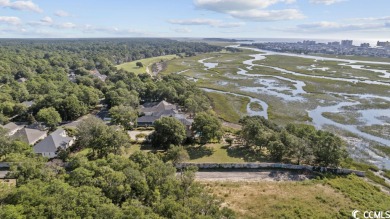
[
  {"x": 47, "y": 66},
  {"x": 296, "y": 142},
  {"x": 142, "y": 186}
]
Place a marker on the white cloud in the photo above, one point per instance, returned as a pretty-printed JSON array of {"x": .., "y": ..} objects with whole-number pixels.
[
  {"x": 10, "y": 20},
  {"x": 47, "y": 20},
  {"x": 254, "y": 10},
  {"x": 368, "y": 19},
  {"x": 66, "y": 25},
  {"x": 236, "y": 5},
  {"x": 268, "y": 15},
  {"x": 183, "y": 30},
  {"x": 114, "y": 31},
  {"x": 62, "y": 13},
  {"x": 326, "y": 2},
  {"x": 325, "y": 26},
  {"x": 208, "y": 22},
  {"x": 21, "y": 5}
]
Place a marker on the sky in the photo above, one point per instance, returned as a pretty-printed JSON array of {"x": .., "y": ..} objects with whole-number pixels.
[{"x": 310, "y": 19}]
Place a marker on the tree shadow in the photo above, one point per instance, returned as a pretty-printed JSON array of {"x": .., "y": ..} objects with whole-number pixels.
[
  {"x": 196, "y": 152},
  {"x": 145, "y": 146},
  {"x": 246, "y": 153}
]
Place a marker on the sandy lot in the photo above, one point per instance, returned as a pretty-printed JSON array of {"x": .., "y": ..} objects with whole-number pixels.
[{"x": 132, "y": 134}]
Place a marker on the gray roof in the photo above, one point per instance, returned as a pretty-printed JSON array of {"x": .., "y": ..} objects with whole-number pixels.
[
  {"x": 28, "y": 103},
  {"x": 170, "y": 112},
  {"x": 21, "y": 80},
  {"x": 147, "y": 119},
  {"x": 162, "y": 106},
  {"x": 29, "y": 135},
  {"x": 185, "y": 121},
  {"x": 52, "y": 142},
  {"x": 12, "y": 126}
]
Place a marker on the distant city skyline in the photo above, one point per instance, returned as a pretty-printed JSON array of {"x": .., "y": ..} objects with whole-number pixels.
[{"x": 358, "y": 20}]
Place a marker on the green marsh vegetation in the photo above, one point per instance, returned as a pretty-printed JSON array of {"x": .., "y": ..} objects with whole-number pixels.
[
  {"x": 147, "y": 64},
  {"x": 334, "y": 197}
]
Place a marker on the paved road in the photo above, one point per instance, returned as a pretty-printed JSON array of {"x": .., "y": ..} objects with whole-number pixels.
[{"x": 248, "y": 175}]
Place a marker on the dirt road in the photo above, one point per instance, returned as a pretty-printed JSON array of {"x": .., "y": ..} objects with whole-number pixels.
[{"x": 248, "y": 175}]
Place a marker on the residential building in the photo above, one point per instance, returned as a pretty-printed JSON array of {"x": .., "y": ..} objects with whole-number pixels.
[
  {"x": 28, "y": 104},
  {"x": 21, "y": 80},
  {"x": 30, "y": 136},
  {"x": 155, "y": 111},
  {"x": 97, "y": 74},
  {"x": 12, "y": 128},
  {"x": 49, "y": 146}
]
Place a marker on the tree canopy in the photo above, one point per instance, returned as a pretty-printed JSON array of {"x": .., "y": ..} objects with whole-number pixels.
[
  {"x": 49, "y": 116},
  {"x": 142, "y": 186},
  {"x": 296, "y": 142},
  {"x": 207, "y": 126},
  {"x": 168, "y": 131}
]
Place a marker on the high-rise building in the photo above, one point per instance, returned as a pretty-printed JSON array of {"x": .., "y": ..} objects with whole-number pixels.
[
  {"x": 365, "y": 45},
  {"x": 334, "y": 43},
  {"x": 309, "y": 42},
  {"x": 387, "y": 43},
  {"x": 346, "y": 43}
]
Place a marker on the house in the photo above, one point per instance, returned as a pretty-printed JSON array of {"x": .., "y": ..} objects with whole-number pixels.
[
  {"x": 12, "y": 128},
  {"x": 28, "y": 104},
  {"x": 152, "y": 108},
  {"x": 30, "y": 136},
  {"x": 186, "y": 122},
  {"x": 49, "y": 146},
  {"x": 21, "y": 80},
  {"x": 97, "y": 74},
  {"x": 72, "y": 76},
  {"x": 155, "y": 111}
]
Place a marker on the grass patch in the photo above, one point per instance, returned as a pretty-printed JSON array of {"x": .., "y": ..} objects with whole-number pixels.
[
  {"x": 348, "y": 118},
  {"x": 369, "y": 169},
  {"x": 386, "y": 173},
  {"x": 131, "y": 66},
  {"x": 382, "y": 131},
  {"x": 211, "y": 153},
  {"x": 219, "y": 153},
  {"x": 229, "y": 107},
  {"x": 359, "y": 58},
  {"x": 383, "y": 149},
  {"x": 256, "y": 107},
  {"x": 328, "y": 198}
]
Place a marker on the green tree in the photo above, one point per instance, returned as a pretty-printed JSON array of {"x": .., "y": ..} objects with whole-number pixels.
[
  {"x": 124, "y": 115},
  {"x": 207, "y": 126},
  {"x": 49, "y": 116},
  {"x": 177, "y": 154},
  {"x": 102, "y": 139},
  {"x": 139, "y": 64},
  {"x": 10, "y": 146},
  {"x": 71, "y": 108},
  {"x": 276, "y": 150},
  {"x": 168, "y": 130},
  {"x": 254, "y": 131},
  {"x": 329, "y": 149}
]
